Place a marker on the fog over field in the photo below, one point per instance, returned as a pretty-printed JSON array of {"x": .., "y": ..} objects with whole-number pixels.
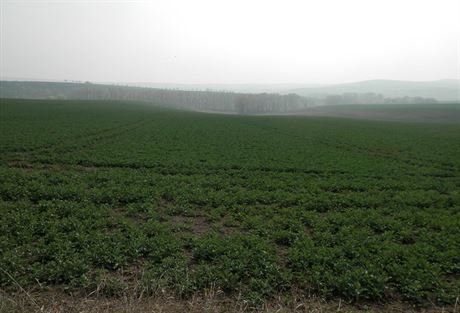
[
  {"x": 234, "y": 42},
  {"x": 292, "y": 55}
]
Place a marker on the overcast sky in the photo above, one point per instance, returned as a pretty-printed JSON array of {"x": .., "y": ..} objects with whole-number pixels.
[{"x": 235, "y": 41}]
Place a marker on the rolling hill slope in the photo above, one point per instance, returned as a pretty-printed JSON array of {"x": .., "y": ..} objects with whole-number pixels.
[{"x": 443, "y": 90}]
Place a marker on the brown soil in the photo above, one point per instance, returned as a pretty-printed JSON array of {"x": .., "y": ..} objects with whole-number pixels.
[{"x": 198, "y": 224}]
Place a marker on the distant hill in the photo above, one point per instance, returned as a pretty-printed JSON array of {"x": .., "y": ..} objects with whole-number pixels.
[
  {"x": 197, "y": 100},
  {"x": 225, "y": 101},
  {"x": 443, "y": 90},
  {"x": 38, "y": 89},
  {"x": 245, "y": 88}
]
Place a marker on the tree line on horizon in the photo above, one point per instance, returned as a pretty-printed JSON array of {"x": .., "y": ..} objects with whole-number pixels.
[{"x": 218, "y": 101}]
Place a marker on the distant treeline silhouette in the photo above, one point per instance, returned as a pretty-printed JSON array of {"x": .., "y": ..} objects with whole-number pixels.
[{"x": 218, "y": 101}]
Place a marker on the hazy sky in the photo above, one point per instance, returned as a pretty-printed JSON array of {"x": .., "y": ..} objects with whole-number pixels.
[{"x": 235, "y": 41}]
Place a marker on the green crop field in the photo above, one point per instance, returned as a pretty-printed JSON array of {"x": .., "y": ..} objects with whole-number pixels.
[
  {"x": 426, "y": 113},
  {"x": 119, "y": 196}
]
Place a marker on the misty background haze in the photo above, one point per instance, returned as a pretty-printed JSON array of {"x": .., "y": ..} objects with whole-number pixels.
[{"x": 231, "y": 42}]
